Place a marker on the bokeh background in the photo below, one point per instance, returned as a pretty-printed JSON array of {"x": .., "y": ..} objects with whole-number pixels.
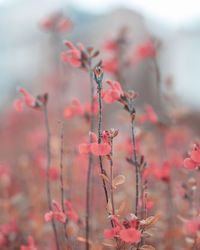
[{"x": 30, "y": 57}]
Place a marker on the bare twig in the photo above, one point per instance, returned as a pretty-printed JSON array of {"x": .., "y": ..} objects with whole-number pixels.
[
  {"x": 136, "y": 167},
  {"x": 91, "y": 159},
  {"x": 47, "y": 171},
  {"x": 61, "y": 174}
]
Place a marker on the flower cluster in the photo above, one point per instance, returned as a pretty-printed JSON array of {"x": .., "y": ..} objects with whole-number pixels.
[
  {"x": 95, "y": 147},
  {"x": 194, "y": 160},
  {"x": 127, "y": 231},
  {"x": 61, "y": 216}
]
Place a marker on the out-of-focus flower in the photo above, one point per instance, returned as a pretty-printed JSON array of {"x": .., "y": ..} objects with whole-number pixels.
[
  {"x": 192, "y": 226},
  {"x": 88, "y": 107},
  {"x": 150, "y": 115},
  {"x": 194, "y": 160},
  {"x": 57, "y": 23},
  {"x": 109, "y": 96},
  {"x": 26, "y": 99},
  {"x": 111, "y": 45},
  {"x": 60, "y": 215},
  {"x": 111, "y": 66},
  {"x": 73, "y": 55},
  {"x": 64, "y": 25},
  {"x": 76, "y": 109},
  {"x": 143, "y": 51},
  {"x": 127, "y": 234},
  {"x": 94, "y": 147},
  {"x": 31, "y": 245}
]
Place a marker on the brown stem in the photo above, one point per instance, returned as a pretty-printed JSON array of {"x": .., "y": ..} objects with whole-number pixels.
[
  {"x": 47, "y": 171},
  {"x": 136, "y": 167},
  {"x": 111, "y": 177},
  {"x": 99, "y": 139},
  {"x": 61, "y": 174},
  {"x": 141, "y": 196},
  {"x": 91, "y": 159}
]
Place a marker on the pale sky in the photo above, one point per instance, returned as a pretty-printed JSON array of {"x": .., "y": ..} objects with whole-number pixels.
[{"x": 172, "y": 12}]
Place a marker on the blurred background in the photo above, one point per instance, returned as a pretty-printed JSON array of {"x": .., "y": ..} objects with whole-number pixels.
[
  {"x": 27, "y": 51},
  {"x": 166, "y": 34}
]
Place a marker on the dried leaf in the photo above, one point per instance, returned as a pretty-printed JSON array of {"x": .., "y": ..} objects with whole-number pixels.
[
  {"x": 109, "y": 243},
  {"x": 109, "y": 207},
  {"x": 121, "y": 208},
  {"x": 82, "y": 239},
  {"x": 150, "y": 221},
  {"x": 103, "y": 176},
  {"x": 147, "y": 247},
  {"x": 95, "y": 54},
  {"x": 120, "y": 179},
  {"x": 89, "y": 50}
]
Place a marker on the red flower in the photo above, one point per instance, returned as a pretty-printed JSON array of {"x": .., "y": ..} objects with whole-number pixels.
[
  {"x": 72, "y": 215},
  {"x": 65, "y": 25},
  {"x": 27, "y": 99},
  {"x": 111, "y": 45},
  {"x": 94, "y": 147},
  {"x": 194, "y": 160},
  {"x": 88, "y": 108},
  {"x": 150, "y": 115},
  {"x": 31, "y": 244},
  {"x": 110, "y": 233},
  {"x": 109, "y": 96},
  {"x": 76, "y": 109},
  {"x": 73, "y": 53},
  {"x": 143, "y": 51},
  {"x": 130, "y": 235},
  {"x": 191, "y": 227},
  {"x": 60, "y": 215},
  {"x": 111, "y": 65}
]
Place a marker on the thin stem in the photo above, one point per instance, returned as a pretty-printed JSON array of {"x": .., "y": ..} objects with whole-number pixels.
[
  {"x": 111, "y": 177},
  {"x": 47, "y": 171},
  {"x": 91, "y": 159},
  {"x": 136, "y": 167},
  {"x": 142, "y": 194},
  {"x": 99, "y": 139},
  {"x": 61, "y": 174}
]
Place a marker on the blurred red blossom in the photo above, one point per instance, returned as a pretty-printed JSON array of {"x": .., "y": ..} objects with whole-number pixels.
[
  {"x": 194, "y": 160},
  {"x": 31, "y": 245},
  {"x": 76, "y": 109},
  {"x": 94, "y": 147},
  {"x": 150, "y": 115},
  {"x": 143, "y": 51},
  {"x": 60, "y": 215},
  {"x": 191, "y": 226},
  {"x": 109, "y": 96},
  {"x": 130, "y": 234},
  {"x": 73, "y": 54},
  {"x": 111, "y": 65},
  {"x": 27, "y": 99}
]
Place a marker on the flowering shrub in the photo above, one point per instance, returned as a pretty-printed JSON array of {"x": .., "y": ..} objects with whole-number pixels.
[{"x": 98, "y": 167}]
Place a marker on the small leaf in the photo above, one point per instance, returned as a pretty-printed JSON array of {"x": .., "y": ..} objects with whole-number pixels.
[
  {"x": 150, "y": 221},
  {"x": 89, "y": 50},
  {"x": 121, "y": 208},
  {"x": 109, "y": 243},
  {"x": 147, "y": 247},
  {"x": 103, "y": 176},
  {"x": 95, "y": 54},
  {"x": 82, "y": 239},
  {"x": 109, "y": 207},
  {"x": 120, "y": 179}
]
